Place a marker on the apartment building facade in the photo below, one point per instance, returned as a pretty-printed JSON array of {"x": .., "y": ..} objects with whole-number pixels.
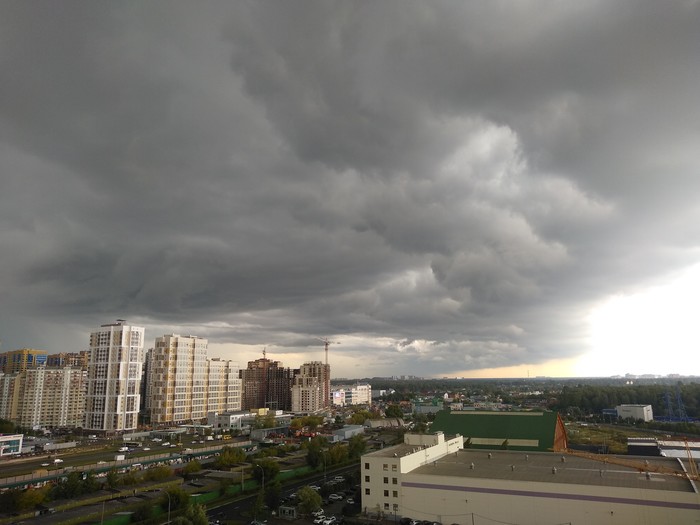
[
  {"x": 52, "y": 397},
  {"x": 22, "y": 359},
  {"x": 114, "y": 378}
]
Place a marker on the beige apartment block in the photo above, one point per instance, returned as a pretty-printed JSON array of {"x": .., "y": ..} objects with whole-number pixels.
[
  {"x": 52, "y": 397},
  {"x": 183, "y": 385},
  {"x": 223, "y": 386},
  {"x": 307, "y": 394},
  {"x": 9, "y": 395}
]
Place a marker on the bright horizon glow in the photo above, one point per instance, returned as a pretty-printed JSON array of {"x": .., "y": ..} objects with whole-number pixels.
[{"x": 652, "y": 332}]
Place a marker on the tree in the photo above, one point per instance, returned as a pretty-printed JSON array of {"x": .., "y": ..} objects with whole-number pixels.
[
  {"x": 196, "y": 515},
  {"x": 314, "y": 453},
  {"x": 356, "y": 446},
  {"x": 142, "y": 513},
  {"x": 309, "y": 500},
  {"x": 269, "y": 467},
  {"x": 113, "y": 479},
  {"x": 178, "y": 499},
  {"x": 229, "y": 457},
  {"x": 273, "y": 494},
  {"x": 393, "y": 411},
  {"x": 192, "y": 467}
]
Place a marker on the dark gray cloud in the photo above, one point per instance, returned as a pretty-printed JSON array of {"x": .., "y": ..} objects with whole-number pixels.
[{"x": 443, "y": 187}]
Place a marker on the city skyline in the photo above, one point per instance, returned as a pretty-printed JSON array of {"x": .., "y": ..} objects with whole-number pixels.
[{"x": 463, "y": 189}]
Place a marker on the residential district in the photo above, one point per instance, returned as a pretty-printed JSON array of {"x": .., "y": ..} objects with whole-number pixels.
[{"x": 113, "y": 431}]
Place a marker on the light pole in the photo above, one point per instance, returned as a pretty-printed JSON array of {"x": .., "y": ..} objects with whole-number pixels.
[
  {"x": 168, "y": 494},
  {"x": 262, "y": 471}
]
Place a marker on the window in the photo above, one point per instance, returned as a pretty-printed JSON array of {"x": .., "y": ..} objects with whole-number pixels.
[
  {"x": 393, "y": 468},
  {"x": 386, "y": 480},
  {"x": 386, "y": 506},
  {"x": 366, "y": 466},
  {"x": 395, "y": 494},
  {"x": 394, "y": 481},
  {"x": 385, "y": 467},
  {"x": 367, "y": 479},
  {"x": 386, "y": 493},
  {"x": 396, "y": 507},
  {"x": 366, "y": 492}
]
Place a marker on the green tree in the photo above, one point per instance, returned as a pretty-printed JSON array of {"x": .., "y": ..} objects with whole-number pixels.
[
  {"x": 314, "y": 453},
  {"x": 309, "y": 500},
  {"x": 356, "y": 446},
  {"x": 337, "y": 454},
  {"x": 393, "y": 411},
  {"x": 30, "y": 498},
  {"x": 113, "y": 480},
  {"x": 196, "y": 515},
  {"x": 142, "y": 513},
  {"x": 273, "y": 494},
  {"x": 229, "y": 457},
  {"x": 269, "y": 467},
  {"x": 192, "y": 467}
]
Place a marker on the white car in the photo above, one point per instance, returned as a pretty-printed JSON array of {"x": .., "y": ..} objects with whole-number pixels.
[
  {"x": 329, "y": 521},
  {"x": 166, "y": 444},
  {"x": 58, "y": 460},
  {"x": 44, "y": 464},
  {"x": 317, "y": 513},
  {"x": 315, "y": 487},
  {"x": 145, "y": 449},
  {"x": 335, "y": 497},
  {"x": 319, "y": 519}
]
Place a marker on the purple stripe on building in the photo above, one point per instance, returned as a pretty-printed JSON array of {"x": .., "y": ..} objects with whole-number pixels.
[{"x": 553, "y": 495}]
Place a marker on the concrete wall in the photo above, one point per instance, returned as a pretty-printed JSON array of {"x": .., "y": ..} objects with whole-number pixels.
[{"x": 458, "y": 500}]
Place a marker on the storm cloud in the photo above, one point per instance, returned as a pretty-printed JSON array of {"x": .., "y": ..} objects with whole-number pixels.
[{"x": 441, "y": 187}]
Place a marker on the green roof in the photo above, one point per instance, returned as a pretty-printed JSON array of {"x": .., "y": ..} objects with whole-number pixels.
[{"x": 522, "y": 430}]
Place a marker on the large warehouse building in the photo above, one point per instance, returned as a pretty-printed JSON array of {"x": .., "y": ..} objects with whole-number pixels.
[
  {"x": 448, "y": 484},
  {"x": 512, "y": 430}
]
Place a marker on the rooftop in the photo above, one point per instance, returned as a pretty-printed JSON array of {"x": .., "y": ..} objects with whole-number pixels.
[{"x": 540, "y": 467}]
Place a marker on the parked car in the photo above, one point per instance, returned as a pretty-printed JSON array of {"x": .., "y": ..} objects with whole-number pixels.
[
  {"x": 317, "y": 513},
  {"x": 329, "y": 521},
  {"x": 335, "y": 497},
  {"x": 318, "y": 520},
  {"x": 351, "y": 501},
  {"x": 314, "y": 487}
]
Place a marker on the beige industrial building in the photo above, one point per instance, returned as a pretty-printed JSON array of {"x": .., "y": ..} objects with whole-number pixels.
[
  {"x": 347, "y": 395},
  {"x": 469, "y": 486}
]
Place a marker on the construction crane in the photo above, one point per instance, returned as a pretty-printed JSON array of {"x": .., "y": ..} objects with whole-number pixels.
[{"x": 326, "y": 344}]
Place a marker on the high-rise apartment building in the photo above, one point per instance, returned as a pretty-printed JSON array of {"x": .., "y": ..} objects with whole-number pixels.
[
  {"x": 114, "y": 378},
  {"x": 323, "y": 373},
  {"x": 223, "y": 386},
  {"x": 22, "y": 359},
  {"x": 72, "y": 359},
  {"x": 307, "y": 393},
  {"x": 9, "y": 395},
  {"x": 176, "y": 382},
  {"x": 267, "y": 384},
  {"x": 52, "y": 397},
  {"x": 183, "y": 385}
]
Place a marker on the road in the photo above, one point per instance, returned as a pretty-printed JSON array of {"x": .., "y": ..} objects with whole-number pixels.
[{"x": 241, "y": 509}]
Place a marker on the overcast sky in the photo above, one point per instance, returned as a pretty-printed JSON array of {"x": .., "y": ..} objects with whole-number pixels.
[{"x": 443, "y": 188}]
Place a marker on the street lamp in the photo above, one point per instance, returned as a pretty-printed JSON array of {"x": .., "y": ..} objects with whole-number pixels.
[
  {"x": 263, "y": 475},
  {"x": 168, "y": 494}
]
